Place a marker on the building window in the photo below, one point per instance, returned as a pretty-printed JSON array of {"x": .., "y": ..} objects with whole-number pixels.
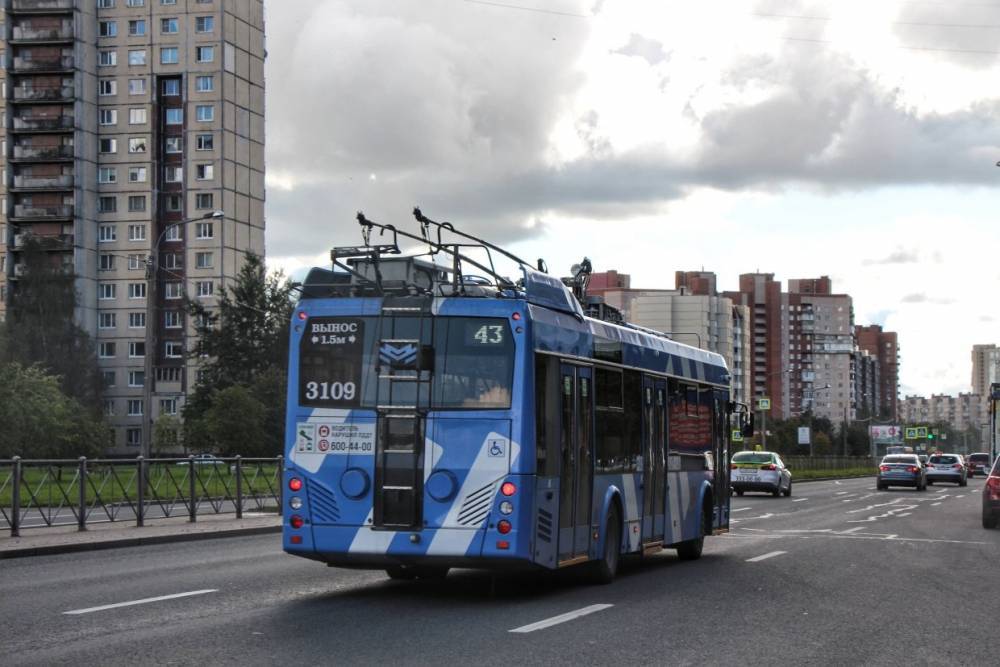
[
  {"x": 108, "y": 378},
  {"x": 205, "y": 142},
  {"x": 137, "y": 145},
  {"x": 108, "y": 116},
  {"x": 106, "y": 321},
  {"x": 107, "y": 204},
  {"x": 137, "y": 290},
  {"x": 107, "y": 87},
  {"x": 168, "y": 56},
  {"x": 205, "y": 288},
  {"x": 105, "y": 4},
  {"x": 172, "y": 145},
  {"x": 106, "y": 262},
  {"x": 107, "y": 234},
  {"x": 203, "y": 260},
  {"x": 204, "y": 54},
  {"x": 174, "y": 116},
  {"x": 172, "y": 290},
  {"x": 136, "y": 349},
  {"x": 204, "y": 201},
  {"x": 204, "y": 23},
  {"x": 204, "y": 84},
  {"x": 137, "y": 28},
  {"x": 137, "y": 232},
  {"x": 205, "y": 113},
  {"x": 137, "y": 57},
  {"x": 136, "y": 116},
  {"x": 173, "y": 174},
  {"x": 169, "y": 374},
  {"x": 135, "y": 407},
  {"x": 136, "y": 262},
  {"x": 172, "y": 319},
  {"x": 204, "y": 230},
  {"x": 168, "y": 26},
  {"x": 173, "y": 203},
  {"x": 136, "y": 203},
  {"x": 172, "y": 261},
  {"x": 137, "y": 320},
  {"x": 136, "y": 378},
  {"x": 171, "y": 87},
  {"x": 108, "y": 58},
  {"x": 107, "y": 28},
  {"x": 174, "y": 349},
  {"x": 108, "y": 146},
  {"x": 136, "y": 174},
  {"x": 106, "y": 292},
  {"x": 168, "y": 406},
  {"x": 109, "y": 408},
  {"x": 107, "y": 175},
  {"x": 133, "y": 436},
  {"x": 204, "y": 172},
  {"x": 136, "y": 86},
  {"x": 106, "y": 350}
]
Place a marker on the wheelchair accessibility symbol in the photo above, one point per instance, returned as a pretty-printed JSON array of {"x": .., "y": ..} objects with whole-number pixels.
[{"x": 497, "y": 448}]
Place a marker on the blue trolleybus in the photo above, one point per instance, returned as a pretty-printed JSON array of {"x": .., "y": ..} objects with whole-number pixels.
[{"x": 440, "y": 419}]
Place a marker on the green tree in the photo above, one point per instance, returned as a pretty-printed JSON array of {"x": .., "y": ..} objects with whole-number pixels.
[
  {"x": 167, "y": 434},
  {"x": 243, "y": 343},
  {"x": 40, "y": 421},
  {"x": 40, "y": 327},
  {"x": 235, "y": 423}
]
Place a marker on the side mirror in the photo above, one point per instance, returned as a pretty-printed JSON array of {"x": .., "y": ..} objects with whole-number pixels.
[{"x": 747, "y": 427}]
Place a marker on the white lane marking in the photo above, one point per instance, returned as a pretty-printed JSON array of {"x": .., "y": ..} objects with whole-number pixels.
[
  {"x": 740, "y": 509},
  {"x": 561, "y": 618},
  {"x": 841, "y": 493},
  {"x": 933, "y": 504},
  {"x": 143, "y": 601},
  {"x": 836, "y": 482},
  {"x": 883, "y": 537},
  {"x": 800, "y": 500},
  {"x": 851, "y": 530},
  {"x": 757, "y": 559},
  {"x": 961, "y": 496}
]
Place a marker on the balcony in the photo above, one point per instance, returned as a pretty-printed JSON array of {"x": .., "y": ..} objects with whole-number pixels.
[
  {"x": 43, "y": 94},
  {"x": 42, "y": 153},
  {"x": 26, "y": 212},
  {"x": 56, "y": 64},
  {"x": 63, "y": 33},
  {"x": 41, "y": 5},
  {"x": 43, "y": 123},
  {"x": 60, "y": 182},
  {"x": 60, "y": 242}
]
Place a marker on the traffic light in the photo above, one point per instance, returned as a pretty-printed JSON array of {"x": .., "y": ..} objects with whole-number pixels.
[{"x": 930, "y": 436}]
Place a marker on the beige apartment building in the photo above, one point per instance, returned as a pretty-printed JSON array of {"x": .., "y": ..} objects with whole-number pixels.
[{"x": 133, "y": 142}]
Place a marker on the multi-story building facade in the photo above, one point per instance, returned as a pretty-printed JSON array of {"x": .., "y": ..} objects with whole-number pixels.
[
  {"x": 985, "y": 368},
  {"x": 133, "y": 140},
  {"x": 965, "y": 412},
  {"x": 884, "y": 346},
  {"x": 867, "y": 400}
]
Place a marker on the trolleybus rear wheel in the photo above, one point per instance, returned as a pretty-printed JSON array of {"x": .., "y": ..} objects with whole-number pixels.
[
  {"x": 604, "y": 570},
  {"x": 691, "y": 549}
]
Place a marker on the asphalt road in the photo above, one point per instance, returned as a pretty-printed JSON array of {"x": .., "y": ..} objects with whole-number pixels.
[{"x": 836, "y": 574}]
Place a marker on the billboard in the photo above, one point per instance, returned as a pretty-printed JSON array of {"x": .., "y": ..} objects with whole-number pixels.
[{"x": 890, "y": 434}]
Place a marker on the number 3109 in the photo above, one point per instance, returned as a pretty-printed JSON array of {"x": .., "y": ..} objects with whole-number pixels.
[{"x": 326, "y": 391}]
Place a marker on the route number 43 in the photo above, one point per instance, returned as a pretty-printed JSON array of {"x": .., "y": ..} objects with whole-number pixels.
[{"x": 489, "y": 334}]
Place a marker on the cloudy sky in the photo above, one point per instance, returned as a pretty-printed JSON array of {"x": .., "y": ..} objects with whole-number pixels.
[{"x": 848, "y": 138}]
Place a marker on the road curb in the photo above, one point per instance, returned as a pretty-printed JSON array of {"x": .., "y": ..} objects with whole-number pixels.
[{"x": 74, "y": 547}]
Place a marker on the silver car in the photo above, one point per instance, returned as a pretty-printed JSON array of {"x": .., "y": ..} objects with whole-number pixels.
[{"x": 946, "y": 468}]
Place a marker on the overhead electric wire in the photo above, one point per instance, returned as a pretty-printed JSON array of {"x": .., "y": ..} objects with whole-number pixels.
[{"x": 538, "y": 10}]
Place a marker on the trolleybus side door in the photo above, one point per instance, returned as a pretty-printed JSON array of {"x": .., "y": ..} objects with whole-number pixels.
[
  {"x": 576, "y": 460},
  {"x": 654, "y": 431}
]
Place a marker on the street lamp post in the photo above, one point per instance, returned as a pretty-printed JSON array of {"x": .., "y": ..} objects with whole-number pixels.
[
  {"x": 763, "y": 413},
  {"x": 812, "y": 402},
  {"x": 152, "y": 271}
]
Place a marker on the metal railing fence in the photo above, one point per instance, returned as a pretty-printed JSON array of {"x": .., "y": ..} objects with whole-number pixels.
[
  {"x": 40, "y": 493},
  {"x": 831, "y": 463}
]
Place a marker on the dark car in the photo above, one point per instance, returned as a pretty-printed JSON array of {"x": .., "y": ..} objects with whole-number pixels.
[
  {"x": 946, "y": 468},
  {"x": 901, "y": 470},
  {"x": 991, "y": 497},
  {"x": 979, "y": 463}
]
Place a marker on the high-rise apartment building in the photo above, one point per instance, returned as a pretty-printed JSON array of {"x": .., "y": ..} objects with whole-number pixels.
[
  {"x": 985, "y": 368},
  {"x": 133, "y": 142},
  {"x": 884, "y": 346}
]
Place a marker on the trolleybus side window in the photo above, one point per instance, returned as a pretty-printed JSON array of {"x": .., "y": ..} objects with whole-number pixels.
[
  {"x": 546, "y": 419},
  {"x": 610, "y": 444},
  {"x": 633, "y": 419},
  {"x": 690, "y": 418}
]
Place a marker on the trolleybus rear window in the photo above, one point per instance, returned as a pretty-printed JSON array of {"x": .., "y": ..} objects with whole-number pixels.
[{"x": 473, "y": 362}]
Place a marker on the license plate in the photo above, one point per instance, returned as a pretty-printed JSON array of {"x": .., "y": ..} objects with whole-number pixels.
[{"x": 745, "y": 478}]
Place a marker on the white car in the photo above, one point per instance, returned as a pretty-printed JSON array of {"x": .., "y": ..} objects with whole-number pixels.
[{"x": 759, "y": 471}]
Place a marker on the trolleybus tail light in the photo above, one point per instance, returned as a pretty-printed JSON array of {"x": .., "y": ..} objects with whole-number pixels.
[
  {"x": 296, "y": 521},
  {"x": 295, "y": 484},
  {"x": 515, "y": 316},
  {"x": 503, "y": 544},
  {"x": 302, "y": 315},
  {"x": 508, "y": 488},
  {"x": 503, "y": 527},
  {"x": 295, "y": 539},
  {"x": 506, "y": 507},
  {"x": 295, "y": 503}
]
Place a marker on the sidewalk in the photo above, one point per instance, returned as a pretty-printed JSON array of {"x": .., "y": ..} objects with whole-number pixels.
[{"x": 110, "y": 535}]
